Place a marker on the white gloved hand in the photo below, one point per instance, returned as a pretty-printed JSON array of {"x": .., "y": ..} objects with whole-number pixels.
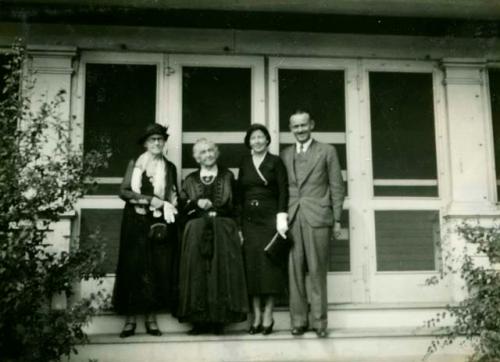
[
  {"x": 169, "y": 212},
  {"x": 282, "y": 223}
]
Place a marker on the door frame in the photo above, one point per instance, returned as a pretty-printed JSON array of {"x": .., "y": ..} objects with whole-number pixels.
[
  {"x": 405, "y": 286},
  {"x": 173, "y": 82},
  {"x": 363, "y": 283},
  {"x": 346, "y": 286}
]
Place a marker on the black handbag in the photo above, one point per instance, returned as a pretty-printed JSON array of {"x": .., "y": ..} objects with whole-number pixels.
[
  {"x": 278, "y": 248},
  {"x": 158, "y": 232}
]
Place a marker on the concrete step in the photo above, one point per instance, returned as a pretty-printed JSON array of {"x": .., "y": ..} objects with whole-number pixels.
[
  {"x": 342, "y": 344},
  {"x": 343, "y": 316}
]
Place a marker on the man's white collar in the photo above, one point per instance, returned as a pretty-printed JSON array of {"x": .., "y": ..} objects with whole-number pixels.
[{"x": 305, "y": 145}]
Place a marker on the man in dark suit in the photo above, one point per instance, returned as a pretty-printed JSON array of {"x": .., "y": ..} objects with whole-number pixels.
[{"x": 315, "y": 205}]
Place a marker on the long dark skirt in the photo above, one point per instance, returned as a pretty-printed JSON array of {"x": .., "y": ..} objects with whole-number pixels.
[
  {"x": 212, "y": 280},
  {"x": 264, "y": 276},
  {"x": 146, "y": 275}
]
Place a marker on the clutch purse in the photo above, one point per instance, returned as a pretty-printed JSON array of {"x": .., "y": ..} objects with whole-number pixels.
[
  {"x": 278, "y": 248},
  {"x": 158, "y": 232}
]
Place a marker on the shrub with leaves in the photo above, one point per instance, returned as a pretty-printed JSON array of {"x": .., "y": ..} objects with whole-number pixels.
[
  {"x": 477, "y": 317},
  {"x": 42, "y": 175}
]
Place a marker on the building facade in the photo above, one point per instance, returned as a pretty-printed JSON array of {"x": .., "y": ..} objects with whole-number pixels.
[{"x": 409, "y": 95}]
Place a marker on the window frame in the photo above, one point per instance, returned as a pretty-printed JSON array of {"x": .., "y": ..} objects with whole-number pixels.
[
  {"x": 379, "y": 280},
  {"x": 78, "y": 114},
  {"x": 348, "y": 283},
  {"x": 490, "y": 144}
]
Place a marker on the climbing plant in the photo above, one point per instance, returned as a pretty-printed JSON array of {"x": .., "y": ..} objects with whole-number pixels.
[
  {"x": 476, "y": 318},
  {"x": 42, "y": 175}
]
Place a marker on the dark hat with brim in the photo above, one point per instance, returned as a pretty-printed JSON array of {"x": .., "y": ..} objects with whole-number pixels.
[{"x": 154, "y": 129}]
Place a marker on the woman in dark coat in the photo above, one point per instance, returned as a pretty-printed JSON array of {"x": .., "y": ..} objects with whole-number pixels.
[
  {"x": 147, "y": 261},
  {"x": 212, "y": 279},
  {"x": 263, "y": 189}
]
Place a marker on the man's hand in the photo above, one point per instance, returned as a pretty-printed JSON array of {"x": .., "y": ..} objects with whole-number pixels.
[
  {"x": 204, "y": 204},
  {"x": 337, "y": 229}
]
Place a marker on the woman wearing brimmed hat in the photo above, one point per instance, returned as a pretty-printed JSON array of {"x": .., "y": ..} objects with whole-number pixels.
[{"x": 147, "y": 262}]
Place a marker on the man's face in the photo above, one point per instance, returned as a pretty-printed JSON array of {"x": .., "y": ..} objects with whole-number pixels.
[{"x": 301, "y": 126}]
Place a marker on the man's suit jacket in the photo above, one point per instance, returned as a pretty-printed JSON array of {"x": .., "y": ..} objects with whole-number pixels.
[{"x": 320, "y": 194}]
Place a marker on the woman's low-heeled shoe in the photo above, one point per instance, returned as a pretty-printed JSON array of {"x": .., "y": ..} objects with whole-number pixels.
[
  {"x": 255, "y": 329},
  {"x": 128, "y": 332},
  {"x": 269, "y": 329},
  {"x": 152, "y": 331}
]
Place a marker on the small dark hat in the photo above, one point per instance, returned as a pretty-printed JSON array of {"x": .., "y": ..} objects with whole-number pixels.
[{"x": 153, "y": 129}]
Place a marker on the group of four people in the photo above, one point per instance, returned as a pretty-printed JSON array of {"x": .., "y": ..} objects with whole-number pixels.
[{"x": 199, "y": 251}]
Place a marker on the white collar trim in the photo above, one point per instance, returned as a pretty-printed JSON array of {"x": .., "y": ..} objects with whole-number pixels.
[{"x": 305, "y": 145}]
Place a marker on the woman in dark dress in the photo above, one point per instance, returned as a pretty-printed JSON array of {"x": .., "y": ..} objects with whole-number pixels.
[
  {"x": 147, "y": 262},
  {"x": 212, "y": 278},
  {"x": 263, "y": 189}
]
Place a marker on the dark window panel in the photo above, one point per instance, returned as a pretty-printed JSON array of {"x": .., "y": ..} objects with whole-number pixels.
[
  {"x": 108, "y": 222},
  {"x": 105, "y": 189},
  {"x": 494, "y": 77},
  {"x": 340, "y": 254},
  {"x": 216, "y": 99},
  {"x": 319, "y": 91},
  {"x": 406, "y": 240},
  {"x": 120, "y": 101},
  {"x": 402, "y": 122},
  {"x": 410, "y": 191}
]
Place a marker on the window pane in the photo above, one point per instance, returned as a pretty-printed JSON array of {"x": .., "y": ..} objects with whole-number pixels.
[
  {"x": 216, "y": 99},
  {"x": 340, "y": 256},
  {"x": 494, "y": 75},
  {"x": 406, "y": 239},
  {"x": 108, "y": 224},
  {"x": 403, "y": 140},
  {"x": 321, "y": 92},
  {"x": 120, "y": 100}
]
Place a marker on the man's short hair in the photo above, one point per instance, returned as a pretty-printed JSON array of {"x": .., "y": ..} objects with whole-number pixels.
[{"x": 301, "y": 111}]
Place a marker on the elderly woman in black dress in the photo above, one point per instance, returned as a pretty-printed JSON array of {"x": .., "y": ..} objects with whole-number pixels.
[
  {"x": 263, "y": 189},
  {"x": 146, "y": 271},
  {"x": 211, "y": 278}
]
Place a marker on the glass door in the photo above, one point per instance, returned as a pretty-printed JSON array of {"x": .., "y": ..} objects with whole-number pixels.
[
  {"x": 406, "y": 189},
  {"x": 214, "y": 97},
  {"x": 327, "y": 88},
  {"x": 116, "y": 96}
]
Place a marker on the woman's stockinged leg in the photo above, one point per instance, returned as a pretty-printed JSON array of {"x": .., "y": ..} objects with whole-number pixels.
[
  {"x": 256, "y": 326},
  {"x": 257, "y": 311},
  {"x": 130, "y": 319},
  {"x": 151, "y": 325},
  {"x": 129, "y": 327},
  {"x": 267, "y": 318}
]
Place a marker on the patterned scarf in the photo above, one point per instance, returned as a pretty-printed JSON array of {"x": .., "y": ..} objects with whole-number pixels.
[{"x": 156, "y": 171}]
